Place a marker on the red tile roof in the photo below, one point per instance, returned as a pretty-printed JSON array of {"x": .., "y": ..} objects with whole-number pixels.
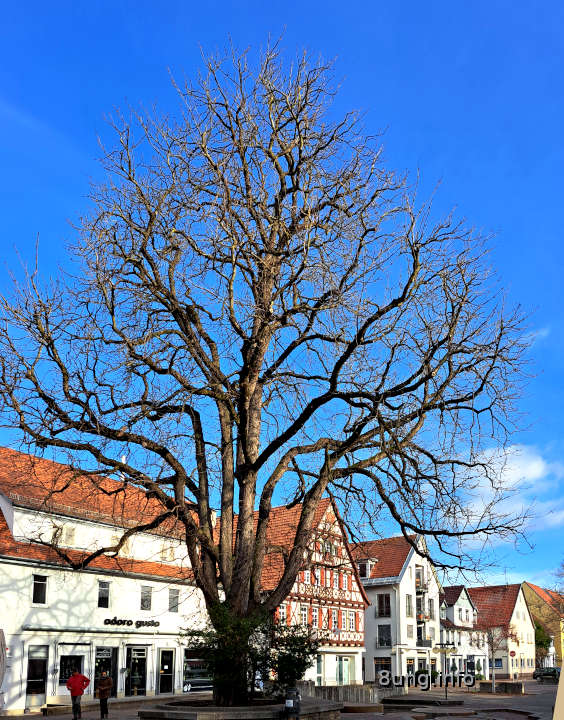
[
  {"x": 41, "y": 484},
  {"x": 551, "y": 597},
  {"x": 495, "y": 604},
  {"x": 281, "y": 533},
  {"x": 451, "y": 594},
  {"x": 390, "y": 553},
  {"x": 48, "y": 486}
]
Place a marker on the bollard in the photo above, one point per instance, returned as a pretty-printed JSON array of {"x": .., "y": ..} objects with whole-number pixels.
[{"x": 292, "y": 704}]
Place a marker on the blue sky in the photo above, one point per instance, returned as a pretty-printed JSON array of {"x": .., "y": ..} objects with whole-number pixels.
[{"x": 469, "y": 94}]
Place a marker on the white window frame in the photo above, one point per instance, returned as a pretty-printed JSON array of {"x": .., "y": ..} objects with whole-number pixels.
[{"x": 38, "y": 604}]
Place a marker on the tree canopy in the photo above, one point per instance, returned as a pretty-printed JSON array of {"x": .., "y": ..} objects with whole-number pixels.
[{"x": 263, "y": 312}]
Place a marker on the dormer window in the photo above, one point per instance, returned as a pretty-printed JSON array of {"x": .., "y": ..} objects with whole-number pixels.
[{"x": 364, "y": 569}]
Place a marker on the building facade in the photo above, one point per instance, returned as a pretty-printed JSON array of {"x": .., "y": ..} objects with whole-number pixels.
[
  {"x": 547, "y": 608},
  {"x": 125, "y": 612},
  {"x": 402, "y": 622},
  {"x": 460, "y": 633},
  {"x": 327, "y": 595},
  {"x": 503, "y": 615}
]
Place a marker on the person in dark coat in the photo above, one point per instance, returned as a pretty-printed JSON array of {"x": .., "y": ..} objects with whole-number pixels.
[
  {"x": 105, "y": 685},
  {"x": 76, "y": 685}
]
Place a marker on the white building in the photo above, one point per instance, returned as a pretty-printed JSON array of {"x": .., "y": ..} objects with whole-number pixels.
[
  {"x": 122, "y": 614},
  {"x": 503, "y": 614},
  {"x": 459, "y": 631},
  {"x": 125, "y": 614},
  {"x": 402, "y": 622}
]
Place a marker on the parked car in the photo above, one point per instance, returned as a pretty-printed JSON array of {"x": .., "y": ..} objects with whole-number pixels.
[{"x": 547, "y": 674}]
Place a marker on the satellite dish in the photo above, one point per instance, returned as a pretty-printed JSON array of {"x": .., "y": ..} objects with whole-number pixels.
[{"x": 2, "y": 656}]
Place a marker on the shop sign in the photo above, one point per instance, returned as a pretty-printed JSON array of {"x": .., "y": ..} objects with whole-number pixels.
[{"x": 128, "y": 622}]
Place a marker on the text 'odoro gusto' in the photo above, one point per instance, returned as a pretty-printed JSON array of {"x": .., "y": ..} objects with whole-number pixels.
[{"x": 129, "y": 623}]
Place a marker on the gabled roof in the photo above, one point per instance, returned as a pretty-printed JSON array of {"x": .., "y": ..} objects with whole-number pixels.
[
  {"x": 495, "y": 604},
  {"x": 451, "y": 593},
  {"x": 282, "y": 531},
  {"x": 39, "y": 484},
  {"x": 390, "y": 555},
  {"x": 552, "y": 598}
]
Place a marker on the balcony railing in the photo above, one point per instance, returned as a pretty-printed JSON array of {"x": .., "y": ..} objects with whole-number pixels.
[
  {"x": 424, "y": 643},
  {"x": 421, "y": 617},
  {"x": 383, "y": 643}
]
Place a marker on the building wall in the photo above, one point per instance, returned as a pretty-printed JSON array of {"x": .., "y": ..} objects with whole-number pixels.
[
  {"x": 406, "y": 652},
  {"x": 549, "y": 617},
  {"x": 71, "y": 623}
]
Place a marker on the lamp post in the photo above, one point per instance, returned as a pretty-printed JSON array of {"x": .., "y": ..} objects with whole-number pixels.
[{"x": 444, "y": 648}]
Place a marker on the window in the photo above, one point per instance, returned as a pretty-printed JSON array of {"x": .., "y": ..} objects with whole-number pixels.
[
  {"x": 409, "y": 605},
  {"x": 443, "y": 613},
  {"x": 167, "y": 553},
  {"x": 410, "y": 631},
  {"x": 467, "y": 615},
  {"x": 431, "y": 633},
  {"x": 335, "y": 580},
  {"x": 173, "y": 598},
  {"x": 352, "y": 624},
  {"x": 498, "y": 662},
  {"x": 68, "y": 664},
  {"x": 282, "y": 613},
  {"x": 40, "y": 589},
  {"x": 363, "y": 569},
  {"x": 303, "y": 614},
  {"x": 431, "y": 609},
  {"x": 384, "y": 636},
  {"x": 307, "y": 577},
  {"x": 460, "y": 613},
  {"x": 334, "y": 619},
  {"x": 316, "y": 576},
  {"x": 103, "y": 594},
  {"x": 384, "y": 605},
  {"x": 146, "y": 597},
  {"x": 314, "y": 617}
]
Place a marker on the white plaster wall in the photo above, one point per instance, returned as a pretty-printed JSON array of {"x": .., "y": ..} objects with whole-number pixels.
[{"x": 72, "y": 603}]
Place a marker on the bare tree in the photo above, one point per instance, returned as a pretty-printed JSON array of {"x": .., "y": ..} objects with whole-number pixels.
[
  {"x": 497, "y": 637},
  {"x": 262, "y": 311}
]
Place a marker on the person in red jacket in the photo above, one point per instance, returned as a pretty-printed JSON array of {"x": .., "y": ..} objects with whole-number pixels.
[{"x": 76, "y": 685}]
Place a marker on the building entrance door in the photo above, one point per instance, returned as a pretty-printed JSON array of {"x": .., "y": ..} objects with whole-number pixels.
[
  {"x": 166, "y": 671},
  {"x": 106, "y": 661},
  {"x": 343, "y": 670},
  {"x": 36, "y": 689},
  {"x": 136, "y": 671}
]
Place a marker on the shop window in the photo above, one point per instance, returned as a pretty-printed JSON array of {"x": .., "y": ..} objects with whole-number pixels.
[
  {"x": 146, "y": 597},
  {"x": 103, "y": 594},
  {"x": 173, "y": 598},
  {"x": 40, "y": 589},
  {"x": 68, "y": 664}
]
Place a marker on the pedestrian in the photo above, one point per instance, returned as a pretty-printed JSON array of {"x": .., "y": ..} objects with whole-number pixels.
[
  {"x": 76, "y": 685},
  {"x": 105, "y": 685}
]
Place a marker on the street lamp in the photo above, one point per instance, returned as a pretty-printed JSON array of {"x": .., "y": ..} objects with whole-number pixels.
[{"x": 445, "y": 648}]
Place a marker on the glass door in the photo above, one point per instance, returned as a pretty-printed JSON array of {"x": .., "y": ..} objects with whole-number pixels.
[
  {"x": 343, "y": 670},
  {"x": 106, "y": 661},
  {"x": 36, "y": 689},
  {"x": 136, "y": 671},
  {"x": 166, "y": 671}
]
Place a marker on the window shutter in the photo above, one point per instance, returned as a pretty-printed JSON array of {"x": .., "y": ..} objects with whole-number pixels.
[
  {"x": 340, "y": 619},
  {"x": 309, "y": 614}
]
